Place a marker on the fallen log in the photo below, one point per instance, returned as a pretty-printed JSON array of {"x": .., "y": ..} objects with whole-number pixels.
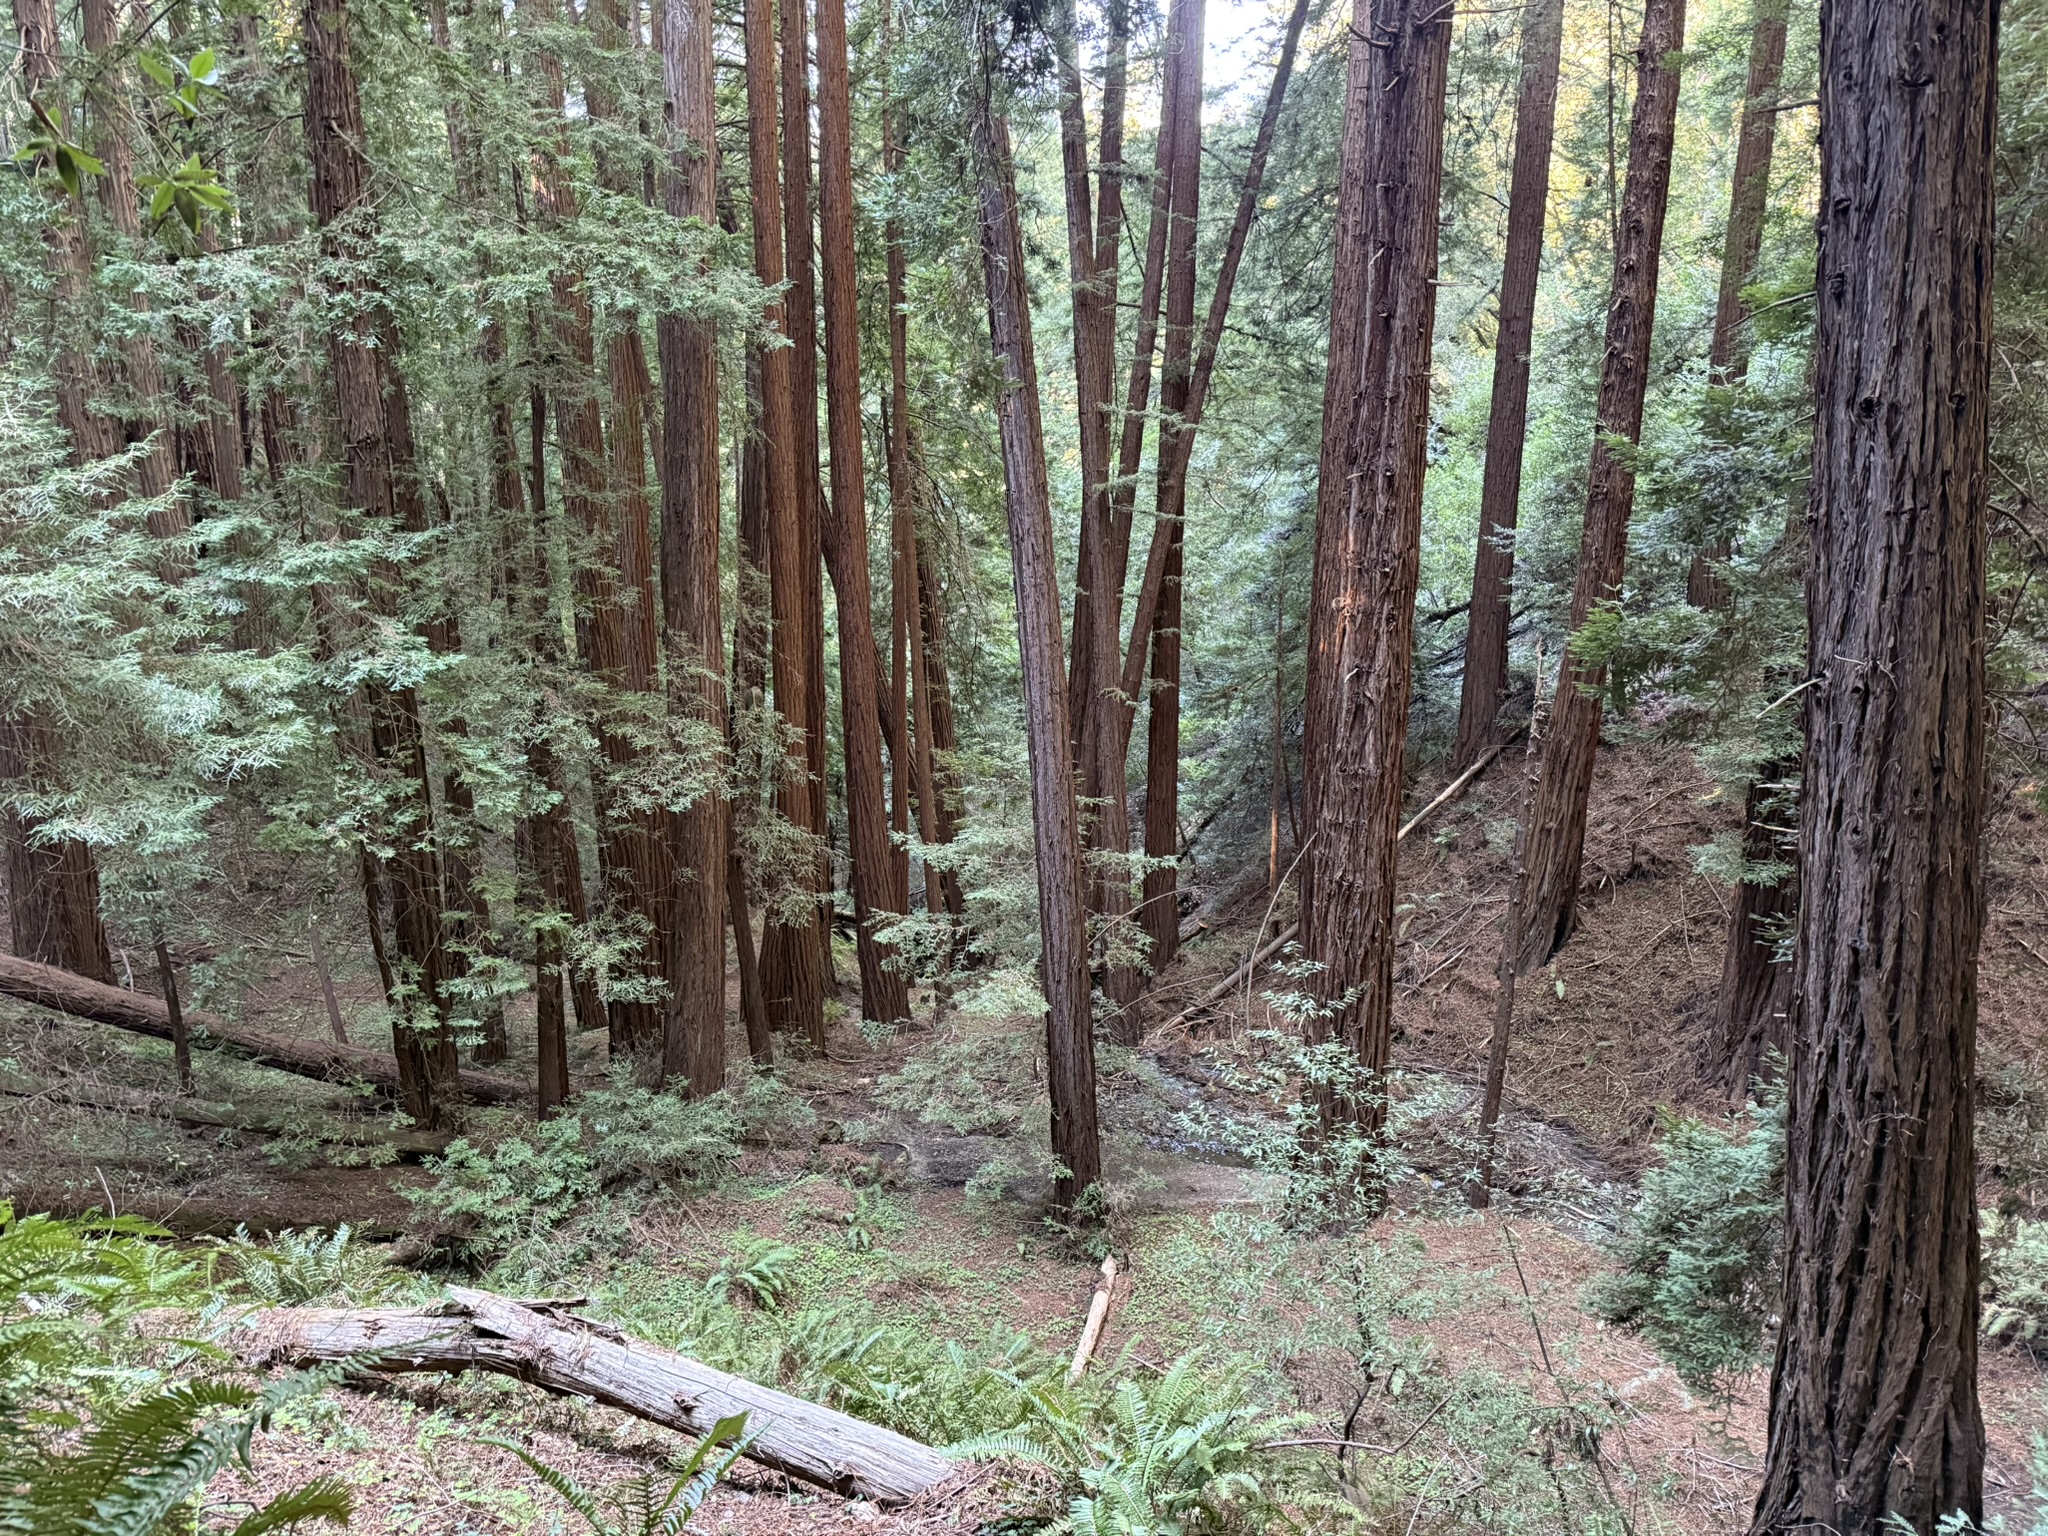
[
  {"x": 572, "y": 1357},
  {"x": 411, "y": 1142},
  {"x": 137, "y": 1012}
]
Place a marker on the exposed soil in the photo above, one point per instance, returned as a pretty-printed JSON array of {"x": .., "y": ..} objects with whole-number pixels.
[{"x": 1606, "y": 1037}]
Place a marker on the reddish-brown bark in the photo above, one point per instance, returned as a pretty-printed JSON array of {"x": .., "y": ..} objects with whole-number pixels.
[
  {"x": 1368, "y": 520},
  {"x": 1056, "y": 821},
  {"x": 1485, "y": 684},
  {"x": 1557, "y": 823},
  {"x": 695, "y": 1038},
  {"x": 379, "y": 481},
  {"x": 1875, "y": 1424},
  {"x": 884, "y": 995}
]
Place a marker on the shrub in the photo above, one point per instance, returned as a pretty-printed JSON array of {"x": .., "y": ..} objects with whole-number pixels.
[
  {"x": 966, "y": 1082},
  {"x": 1697, "y": 1260},
  {"x": 482, "y": 1203},
  {"x": 638, "y": 1137},
  {"x": 638, "y": 1506},
  {"x": 2015, "y": 1284}
]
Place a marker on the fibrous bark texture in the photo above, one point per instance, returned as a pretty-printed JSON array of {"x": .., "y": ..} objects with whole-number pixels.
[
  {"x": 884, "y": 995},
  {"x": 1369, "y": 516},
  {"x": 476, "y": 1330},
  {"x": 1557, "y": 822},
  {"x": 1493, "y": 567},
  {"x": 1056, "y": 823},
  {"x": 1874, "y": 1414},
  {"x": 694, "y": 1044},
  {"x": 380, "y": 481}
]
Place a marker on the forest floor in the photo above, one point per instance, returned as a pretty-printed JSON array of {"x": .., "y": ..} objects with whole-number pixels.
[{"x": 1607, "y": 1039}]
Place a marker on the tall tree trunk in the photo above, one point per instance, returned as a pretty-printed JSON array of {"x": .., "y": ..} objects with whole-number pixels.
[
  {"x": 634, "y": 876},
  {"x": 695, "y": 1045},
  {"x": 884, "y": 996},
  {"x": 379, "y": 481},
  {"x": 107, "y": 100},
  {"x": 1874, "y": 1414},
  {"x": 944, "y": 789},
  {"x": 751, "y": 629},
  {"x": 1557, "y": 822},
  {"x": 798, "y": 580},
  {"x": 639, "y": 871},
  {"x": 1485, "y": 685},
  {"x": 1159, "y": 913},
  {"x": 1056, "y": 821},
  {"x": 1092, "y": 264},
  {"x": 912, "y": 675},
  {"x": 53, "y": 884},
  {"x": 791, "y": 971},
  {"x": 1749, "y": 200},
  {"x": 1756, "y": 986},
  {"x": 1369, "y": 520}
]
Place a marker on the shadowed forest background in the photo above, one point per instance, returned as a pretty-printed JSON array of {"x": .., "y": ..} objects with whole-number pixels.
[{"x": 1347, "y": 702}]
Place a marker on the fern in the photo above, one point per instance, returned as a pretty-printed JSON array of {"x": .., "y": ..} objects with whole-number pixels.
[
  {"x": 93, "y": 1440},
  {"x": 637, "y": 1506},
  {"x": 1174, "y": 1458}
]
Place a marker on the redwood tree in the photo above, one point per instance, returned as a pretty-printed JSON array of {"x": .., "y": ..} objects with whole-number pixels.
[
  {"x": 1874, "y": 1413},
  {"x": 695, "y": 1041},
  {"x": 791, "y": 962},
  {"x": 1749, "y": 200},
  {"x": 1055, "y": 819},
  {"x": 1557, "y": 827},
  {"x": 1493, "y": 566},
  {"x": 884, "y": 994},
  {"x": 1369, "y": 517},
  {"x": 379, "y": 481},
  {"x": 1160, "y": 912}
]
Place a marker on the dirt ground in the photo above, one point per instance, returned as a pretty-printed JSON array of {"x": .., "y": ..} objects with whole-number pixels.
[{"x": 1610, "y": 1034}]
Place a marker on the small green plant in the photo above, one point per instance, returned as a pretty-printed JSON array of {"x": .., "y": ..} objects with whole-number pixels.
[
  {"x": 759, "y": 1274},
  {"x": 1697, "y": 1260},
  {"x": 483, "y": 1202},
  {"x": 2015, "y": 1284},
  {"x": 105, "y": 1430},
  {"x": 298, "y": 1268},
  {"x": 638, "y": 1506},
  {"x": 965, "y": 1082},
  {"x": 658, "y": 1140},
  {"x": 1177, "y": 1456}
]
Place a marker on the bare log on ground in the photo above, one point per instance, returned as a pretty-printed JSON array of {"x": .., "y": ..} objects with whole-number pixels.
[
  {"x": 476, "y": 1330},
  {"x": 409, "y": 1142},
  {"x": 1098, "y": 1315},
  {"x": 66, "y": 992}
]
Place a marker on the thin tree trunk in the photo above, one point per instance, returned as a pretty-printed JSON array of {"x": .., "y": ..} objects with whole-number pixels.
[
  {"x": 1152, "y": 588},
  {"x": 1479, "y": 1191},
  {"x": 1159, "y": 914},
  {"x": 1485, "y": 686},
  {"x": 802, "y": 974},
  {"x": 1756, "y": 986},
  {"x": 1056, "y": 824},
  {"x": 1749, "y": 200},
  {"x": 554, "y": 841},
  {"x": 181, "y": 1037},
  {"x": 1369, "y": 522},
  {"x": 884, "y": 996},
  {"x": 379, "y": 481},
  {"x": 695, "y": 1046},
  {"x": 945, "y": 786},
  {"x": 1557, "y": 824},
  {"x": 1874, "y": 1418}
]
